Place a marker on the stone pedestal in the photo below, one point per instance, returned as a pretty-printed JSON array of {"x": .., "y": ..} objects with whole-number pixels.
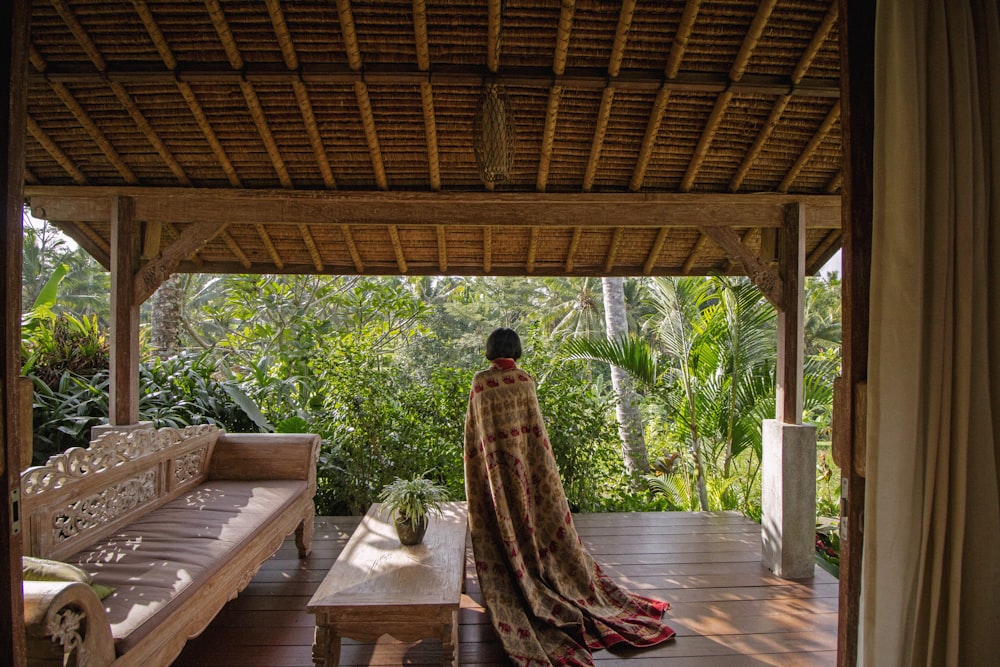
[{"x": 788, "y": 525}]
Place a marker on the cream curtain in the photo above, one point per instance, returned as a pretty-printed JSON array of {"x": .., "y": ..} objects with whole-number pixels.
[{"x": 931, "y": 585}]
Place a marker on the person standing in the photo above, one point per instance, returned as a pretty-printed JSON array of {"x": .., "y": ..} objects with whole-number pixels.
[{"x": 549, "y": 601}]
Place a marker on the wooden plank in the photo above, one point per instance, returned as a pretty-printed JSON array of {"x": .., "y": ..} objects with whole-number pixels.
[
  {"x": 724, "y": 612},
  {"x": 791, "y": 318}
]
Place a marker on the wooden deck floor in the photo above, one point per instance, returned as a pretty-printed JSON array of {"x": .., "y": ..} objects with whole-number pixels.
[{"x": 726, "y": 608}]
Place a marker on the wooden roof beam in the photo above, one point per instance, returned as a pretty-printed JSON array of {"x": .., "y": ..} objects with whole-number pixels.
[
  {"x": 621, "y": 37},
  {"x": 649, "y": 139},
  {"x": 89, "y": 240},
  {"x": 325, "y": 207},
  {"x": 835, "y": 183},
  {"x": 831, "y": 118},
  {"x": 750, "y": 40},
  {"x": 822, "y": 253},
  {"x": 699, "y": 245},
  {"x": 119, "y": 90},
  {"x": 555, "y": 93}
]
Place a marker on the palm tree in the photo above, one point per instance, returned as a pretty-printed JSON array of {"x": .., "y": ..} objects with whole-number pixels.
[{"x": 630, "y": 427}]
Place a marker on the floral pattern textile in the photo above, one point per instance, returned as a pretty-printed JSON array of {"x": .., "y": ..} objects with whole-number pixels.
[{"x": 549, "y": 601}]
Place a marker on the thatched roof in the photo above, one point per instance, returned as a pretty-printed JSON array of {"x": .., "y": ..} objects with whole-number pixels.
[{"x": 337, "y": 136}]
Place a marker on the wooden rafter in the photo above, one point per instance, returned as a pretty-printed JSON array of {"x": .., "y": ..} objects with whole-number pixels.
[
  {"x": 805, "y": 61},
  {"x": 95, "y": 133},
  {"x": 494, "y": 20},
  {"x": 352, "y": 248},
  {"x": 301, "y": 93},
  {"x": 249, "y": 94},
  {"x": 310, "y": 242},
  {"x": 442, "y": 248},
  {"x": 681, "y": 37},
  {"x": 548, "y": 137},
  {"x": 426, "y": 93},
  {"x": 654, "y": 252},
  {"x": 29, "y": 176},
  {"x": 736, "y": 73},
  {"x": 397, "y": 248},
  {"x": 487, "y": 249},
  {"x": 167, "y": 55},
  {"x": 693, "y": 256},
  {"x": 831, "y": 119},
  {"x": 562, "y": 35},
  {"x": 705, "y": 141},
  {"x": 237, "y": 251},
  {"x": 621, "y": 37},
  {"x": 89, "y": 240},
  {"x": 529, "y": 265},
  {"x": 123, "y": 97},
  {"x": 194, "y": 257},
  {"x": 598, "y": 143},
  {"x": 272, "y": 252},
  {"x": 835, "y": 183},
  {"x": 649, "y": 139},
  {"x": 57, "y": 153},
  {"x": 573, "y": 245},
  {"x": 613, "y": 248},
  {"x": 820, "y": 252}
]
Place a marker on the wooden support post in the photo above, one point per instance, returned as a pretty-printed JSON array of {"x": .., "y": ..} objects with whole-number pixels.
[
  {"x": 14, "y": 20},
  {"x": 857, "y": 84},
  {"x": 791, "y": 269},
  {"x": 125, "y": 250}
]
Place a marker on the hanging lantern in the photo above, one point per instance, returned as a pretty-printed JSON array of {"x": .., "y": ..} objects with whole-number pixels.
[{"x": 493, "y": 134}]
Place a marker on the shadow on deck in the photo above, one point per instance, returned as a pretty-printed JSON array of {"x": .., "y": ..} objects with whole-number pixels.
[{"x": 727, "y": 608}]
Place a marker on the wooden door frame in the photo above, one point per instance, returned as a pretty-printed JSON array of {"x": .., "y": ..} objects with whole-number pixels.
[
  {"x": 857, "y": 77},
  {"x": 13, "y": 118}
]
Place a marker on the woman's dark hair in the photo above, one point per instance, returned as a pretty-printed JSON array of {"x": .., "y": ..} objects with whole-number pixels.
[{"x": 503, "y": 342}]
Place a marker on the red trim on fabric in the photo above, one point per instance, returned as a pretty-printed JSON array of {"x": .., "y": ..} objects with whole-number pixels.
[{"x": 504, "y": 363}]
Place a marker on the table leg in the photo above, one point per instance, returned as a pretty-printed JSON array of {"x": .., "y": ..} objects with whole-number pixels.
[
  {"x": 326, "y": 648},
  {"x": 449, "y": 642}
]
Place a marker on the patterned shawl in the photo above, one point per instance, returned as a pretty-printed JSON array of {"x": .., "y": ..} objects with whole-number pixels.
[{"x": 550, "y": 603}]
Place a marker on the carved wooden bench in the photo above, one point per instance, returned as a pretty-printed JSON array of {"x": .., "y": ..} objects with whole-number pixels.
[
  {"x": 379, "y": 587},
  {"x": 176, "y": 521}
]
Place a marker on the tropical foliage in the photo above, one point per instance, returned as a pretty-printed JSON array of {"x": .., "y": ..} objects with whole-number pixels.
[{"x": 380, "y": 368}]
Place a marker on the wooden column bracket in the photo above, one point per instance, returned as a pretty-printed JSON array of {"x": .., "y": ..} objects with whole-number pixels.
[
  {"x": 766, "y": 280},
  {"x": 152, "y": 274}
]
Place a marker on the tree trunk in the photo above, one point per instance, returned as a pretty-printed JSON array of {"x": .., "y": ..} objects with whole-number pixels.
[
  {"x": 630, "y": 427},
  {"x": 168, "y": 309}
]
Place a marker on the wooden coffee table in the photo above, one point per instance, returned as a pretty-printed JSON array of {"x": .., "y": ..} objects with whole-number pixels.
[{"x": 377, "y": 586}]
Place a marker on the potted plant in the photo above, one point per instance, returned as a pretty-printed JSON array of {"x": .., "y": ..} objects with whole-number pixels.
[{"x": 408, "y": 502}]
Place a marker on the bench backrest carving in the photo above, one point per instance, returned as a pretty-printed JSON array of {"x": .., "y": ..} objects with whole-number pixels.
[{"x": 83, "y": 495}]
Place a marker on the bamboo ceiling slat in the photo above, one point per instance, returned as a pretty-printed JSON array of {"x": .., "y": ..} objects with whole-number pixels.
[{"x": 378, "y": 96}]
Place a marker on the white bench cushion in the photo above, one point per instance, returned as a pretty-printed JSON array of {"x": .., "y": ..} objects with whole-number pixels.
[{"x": 161, "y": 559}]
